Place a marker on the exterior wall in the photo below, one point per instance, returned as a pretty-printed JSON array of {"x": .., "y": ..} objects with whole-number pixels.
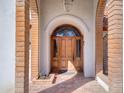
[
  {"x": 115, "y": 45},
  {"x": 22, "y": 46},
  {"x": 34, "y": 39},
  {"x": 53, "y": 9},
  {"x": 81, "y": 8},
  {"x": 7, "y": 46}
]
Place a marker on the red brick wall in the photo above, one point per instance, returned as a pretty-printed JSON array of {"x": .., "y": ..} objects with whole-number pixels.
[{"x": 22, "y": 46}]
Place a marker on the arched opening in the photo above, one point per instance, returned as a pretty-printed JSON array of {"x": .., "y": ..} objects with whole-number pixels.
[
  {"x": 101, "y": 38},
  {"x": 66, "y": 49},
  {"x": 102, "y": 44}
]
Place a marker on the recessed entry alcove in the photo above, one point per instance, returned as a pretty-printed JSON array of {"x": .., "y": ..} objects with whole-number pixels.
[
  {"x": 80, "y": 34},
  {"x": 66, "y": 49}
]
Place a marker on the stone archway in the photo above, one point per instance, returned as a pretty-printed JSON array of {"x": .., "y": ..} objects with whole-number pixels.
[{"x": 78, "y": 23}]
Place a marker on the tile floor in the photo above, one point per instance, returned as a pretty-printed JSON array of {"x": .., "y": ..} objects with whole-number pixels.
[{"x": 69, "y": 82}]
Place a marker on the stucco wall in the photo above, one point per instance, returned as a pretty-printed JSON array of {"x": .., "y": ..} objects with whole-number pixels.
[
  {"x": 7, "y": 46},
  {"x": 53, "y": 8},
  {"x": 85, "y": 10}
]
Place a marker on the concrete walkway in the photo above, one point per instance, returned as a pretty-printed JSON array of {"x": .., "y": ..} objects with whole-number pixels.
[{"x": 69, "y": 82}]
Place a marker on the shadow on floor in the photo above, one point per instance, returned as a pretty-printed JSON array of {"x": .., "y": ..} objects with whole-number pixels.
[{"x": 68, "y": 86}]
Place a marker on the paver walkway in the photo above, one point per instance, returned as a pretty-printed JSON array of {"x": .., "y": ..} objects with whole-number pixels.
[{"x": 70, "y": 82}]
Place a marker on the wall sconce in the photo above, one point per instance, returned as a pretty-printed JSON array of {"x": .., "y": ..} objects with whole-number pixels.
[{"x": 68, "y": 5}]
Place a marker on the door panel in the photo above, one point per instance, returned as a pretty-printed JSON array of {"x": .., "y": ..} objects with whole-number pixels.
[
  {"x": 55, "y": 53},
  {"x": 63, "y": 64},
  {"x": 78, "y": 53},
  {"x": 67, "y": 49},
  {"x": 63, "y": 47}
]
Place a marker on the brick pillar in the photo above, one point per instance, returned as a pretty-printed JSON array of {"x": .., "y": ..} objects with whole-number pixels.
[
  {"x": 115, "y": 31},
  {"x": 34, "y": 39},
  {"x": 22, "y": 46}
]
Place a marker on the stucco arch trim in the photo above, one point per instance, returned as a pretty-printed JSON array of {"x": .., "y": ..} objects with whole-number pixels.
[
  {"x": 79, "y": 24},
  {"x": 66, "y": 19}
]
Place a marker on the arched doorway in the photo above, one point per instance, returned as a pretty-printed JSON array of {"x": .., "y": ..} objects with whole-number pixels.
[
  {"x": 66, "y": 49},
  {"x": 45, "y": 59}
]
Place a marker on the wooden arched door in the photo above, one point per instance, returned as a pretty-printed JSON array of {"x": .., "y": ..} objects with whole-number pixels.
[{"x": 66, "y": 49}]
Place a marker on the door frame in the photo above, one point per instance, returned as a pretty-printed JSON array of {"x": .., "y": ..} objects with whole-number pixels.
[{"x": 82, "y": 46}]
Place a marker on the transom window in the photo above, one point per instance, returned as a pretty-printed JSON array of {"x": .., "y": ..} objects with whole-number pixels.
[{"x": 66, "y": 31}]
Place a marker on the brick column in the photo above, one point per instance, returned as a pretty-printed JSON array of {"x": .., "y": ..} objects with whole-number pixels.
[
  {"x": 115, "y": 38},
  {"x": 22, "y": 46},
  {"x": 34, "y": 39}
]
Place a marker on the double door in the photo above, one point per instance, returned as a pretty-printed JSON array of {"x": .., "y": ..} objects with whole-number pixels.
[{"x": 66, "y": 53}]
